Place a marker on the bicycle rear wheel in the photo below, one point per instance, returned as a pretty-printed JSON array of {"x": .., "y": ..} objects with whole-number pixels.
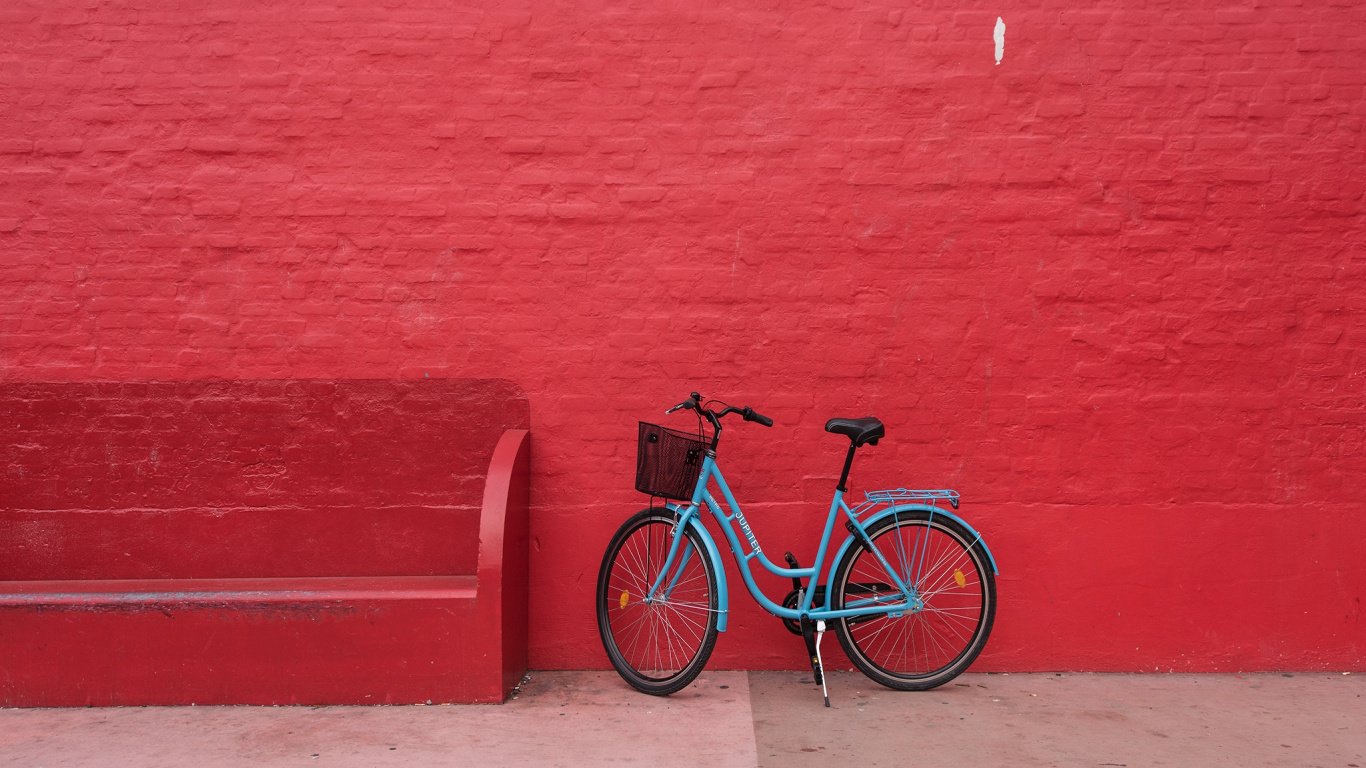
[
  {"x": 659, "y": 647},
  {"x": 950, "y": 570}
]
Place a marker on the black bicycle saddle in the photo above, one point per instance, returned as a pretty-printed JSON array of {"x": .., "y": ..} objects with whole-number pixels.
[{"x": 858, "y": 430}]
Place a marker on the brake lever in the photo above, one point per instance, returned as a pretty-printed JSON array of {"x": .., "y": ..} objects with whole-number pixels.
[{"x": 691, "y": 402}]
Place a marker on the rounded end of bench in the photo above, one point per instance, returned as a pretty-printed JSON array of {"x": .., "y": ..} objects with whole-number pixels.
[{"x": 504, "y": 544}]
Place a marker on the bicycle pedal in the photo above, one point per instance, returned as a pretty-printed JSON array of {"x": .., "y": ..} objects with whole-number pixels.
[
  {"x": 792, "y": 563},
  {"x": 812, "y": 652},
  {"x": 820, "y": 632}
]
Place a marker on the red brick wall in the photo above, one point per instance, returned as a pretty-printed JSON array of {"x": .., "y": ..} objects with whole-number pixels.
[{"x": 1110, "y": 289}]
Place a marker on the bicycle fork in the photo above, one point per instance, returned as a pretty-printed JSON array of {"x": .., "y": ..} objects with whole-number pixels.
[{"x": 656, "y": 593}]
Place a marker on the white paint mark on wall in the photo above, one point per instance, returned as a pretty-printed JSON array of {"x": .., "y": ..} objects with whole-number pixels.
[{"x": 1000, "y": 37}]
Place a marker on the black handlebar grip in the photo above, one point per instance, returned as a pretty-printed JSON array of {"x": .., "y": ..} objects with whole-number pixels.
[{"x": 751, "y": 415}]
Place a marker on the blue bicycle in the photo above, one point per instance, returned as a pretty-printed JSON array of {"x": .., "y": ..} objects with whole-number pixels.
[{"x": 911, "y": 591}]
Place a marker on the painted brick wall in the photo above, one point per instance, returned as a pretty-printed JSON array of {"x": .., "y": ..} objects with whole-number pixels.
[{"x": 1111, "y": 289}]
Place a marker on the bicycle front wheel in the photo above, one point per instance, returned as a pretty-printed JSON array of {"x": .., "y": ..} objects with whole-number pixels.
[
  {"x": 948, "y": 568},
  {"x": 660, "y": 646}
]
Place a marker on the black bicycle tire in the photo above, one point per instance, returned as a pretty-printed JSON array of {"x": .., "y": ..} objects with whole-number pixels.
[
  {"x": 632, "y": 676},
  {"x": 970, "y": 652}
]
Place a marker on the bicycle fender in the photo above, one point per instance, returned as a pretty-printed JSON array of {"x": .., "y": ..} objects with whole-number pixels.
[
  {"x": 722, "y": 594},
  {"x": 848, "y": 541}
]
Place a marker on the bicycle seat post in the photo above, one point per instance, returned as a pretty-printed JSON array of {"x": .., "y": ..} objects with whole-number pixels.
[{"x": 848, "y": 463}]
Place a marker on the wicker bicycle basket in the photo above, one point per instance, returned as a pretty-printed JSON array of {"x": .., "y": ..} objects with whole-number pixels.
[{"x": 668, "y": 462}]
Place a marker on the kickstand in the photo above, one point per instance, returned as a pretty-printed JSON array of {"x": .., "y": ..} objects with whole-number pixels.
[{"x": 820, "y": 631}]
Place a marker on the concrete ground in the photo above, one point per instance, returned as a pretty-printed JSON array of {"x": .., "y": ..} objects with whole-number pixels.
[{"x": 749, "y": 719}]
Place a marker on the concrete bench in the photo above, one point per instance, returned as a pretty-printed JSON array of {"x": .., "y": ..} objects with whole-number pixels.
[{"x": 262, "y": 542}]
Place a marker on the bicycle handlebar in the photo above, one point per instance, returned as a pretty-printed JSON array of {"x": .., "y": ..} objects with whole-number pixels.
[{"x": 694, "y": 403}]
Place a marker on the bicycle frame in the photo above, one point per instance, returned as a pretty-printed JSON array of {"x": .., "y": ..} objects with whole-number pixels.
[{"x": 909, "y": 599}]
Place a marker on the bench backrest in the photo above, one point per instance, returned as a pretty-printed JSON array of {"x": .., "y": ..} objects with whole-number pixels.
[{"x": 220, "y": 479}]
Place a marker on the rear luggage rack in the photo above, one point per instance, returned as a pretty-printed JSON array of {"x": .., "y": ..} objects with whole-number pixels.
[{"x": 902, "y": 494}]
